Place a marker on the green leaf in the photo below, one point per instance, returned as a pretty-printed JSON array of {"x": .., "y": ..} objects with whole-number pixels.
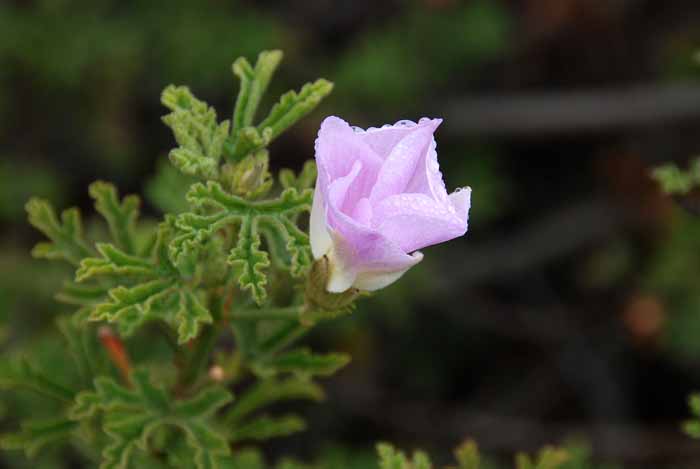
[
  {"x": 35, "y": 434},
  {"x": 81, "y": 294},
  {"x": 161, "y": 292},
  {"x": 304, "y": 363},
  {"x": 225, "y": 209},
  {"x": 67, "y": 242},
  {"x": 391, "y": 458},
  {"x": 305, "y": 179},
  {"x": 114, "y": 262},
  {"x": 167, "y": 189},
  {"x": 467, "y": 455},
  {"x": 250, "y": 260},
  {"x": 675, "y": 181},
  {"x": 199, "y": 136},
  {"x": 120, "y": 215},
  {"x": 547, "y": 458},
  {"x": 23, "y": 375},
  {"x": 269, "y": 391},
  {"x": 264, "y": 428},
  {"x": 84, "y": 346},
  {"x": 130, "y": 418},
  {"x": 292, "y": 106},
  {"x": 254, "y": 82},
  {"x": 692, "y": 427}
]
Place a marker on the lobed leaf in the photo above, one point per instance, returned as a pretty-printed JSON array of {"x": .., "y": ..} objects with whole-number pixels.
[
  {"x": 121, "y": 216},
  {"x": 292, "y": 106},
  {"x": 67, "y": 242},
  {"x": 254, "y": 83},
  {"x": 130, "y": 418},
  {"x": 225, "y": 209},
  {"x": 199, "y": 136}
]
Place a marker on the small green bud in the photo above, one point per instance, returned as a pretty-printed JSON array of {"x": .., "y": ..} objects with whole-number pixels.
[{"x": 250, "y": 178}]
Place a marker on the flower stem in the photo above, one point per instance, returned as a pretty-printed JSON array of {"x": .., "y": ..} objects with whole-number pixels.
[{"x": 289, "y": 312}]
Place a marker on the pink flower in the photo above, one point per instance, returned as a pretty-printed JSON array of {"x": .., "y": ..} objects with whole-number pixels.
[{"x": 379, "y": 198}]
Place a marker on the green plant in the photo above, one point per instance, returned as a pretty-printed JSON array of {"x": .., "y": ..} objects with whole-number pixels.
[{"x": 155, "y": 300}]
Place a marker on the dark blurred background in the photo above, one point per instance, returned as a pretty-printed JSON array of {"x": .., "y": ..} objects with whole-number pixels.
[{"x": 572, "y": 307}]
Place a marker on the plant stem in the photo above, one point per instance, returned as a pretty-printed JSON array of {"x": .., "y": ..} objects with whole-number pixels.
[
  {"x": 289, "y": 312},
  {"x": 199, "y": 357}
]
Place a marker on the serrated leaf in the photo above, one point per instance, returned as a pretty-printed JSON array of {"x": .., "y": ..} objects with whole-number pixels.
[
  {"x": 271, "y": 390},
  {"x": 130, "y": 417},
  {"x": 67, "y": 242},
  {"x": 121, "y": 215},
  {"x": 199, "y": 136},
  {"x": 254, "y": 82},
  {"x": 304, "y": 363},
  {"x": 292, "y": 106},
  {"x": 264, "y": 428},
  {"x": 35, "y": 434}
]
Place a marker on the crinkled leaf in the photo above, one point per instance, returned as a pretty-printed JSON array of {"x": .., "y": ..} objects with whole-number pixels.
[
  {"x": 227, "y": 209},
  {"x": 67, "y": 242},
  {"x": 120, "y": 215},
  {"x": 130, "y": 416},
  {"x": 199, "y": 136},
  {"x": 254, "y": 82},
  {"x": 292, "y": 106}
]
